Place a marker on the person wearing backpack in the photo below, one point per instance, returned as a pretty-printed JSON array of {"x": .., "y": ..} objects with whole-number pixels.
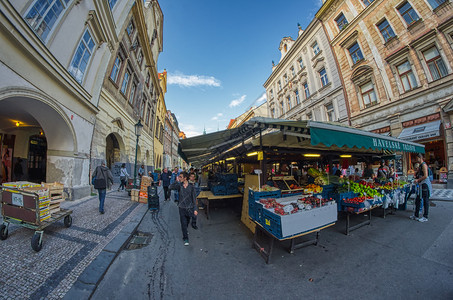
[
  {"x": 102, "y": 179},
  {"x": 422, "y": 178}
]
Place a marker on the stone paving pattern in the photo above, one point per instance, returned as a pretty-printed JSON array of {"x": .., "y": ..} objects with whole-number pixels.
[{"x": 66, "y": 252}]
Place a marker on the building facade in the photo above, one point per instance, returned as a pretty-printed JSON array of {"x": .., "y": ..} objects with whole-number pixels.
[
  {"x": 168, "y": 137},
  {"x": 51, "y": 58},
  {"x": 161, "y": 111},
  {"x": 129, "y": 92},
  {"x": 259, "y": 111},
  {"x": 396, "y": 60},
  {"x": 305, "y": 84}
]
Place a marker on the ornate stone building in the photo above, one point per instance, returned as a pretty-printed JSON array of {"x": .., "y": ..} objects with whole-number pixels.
[
  {"x": 305, "y": 84},
  {"x": 395, "y": 60}
]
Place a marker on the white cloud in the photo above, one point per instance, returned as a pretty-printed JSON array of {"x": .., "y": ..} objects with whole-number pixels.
[
  {"x": 238, "y": 101},
  {"x": 217, "y": 116},
  {"x": 190, "y": 130},
  {"x": 192, "y": 80},
  {"x": 261, "y": 99}
]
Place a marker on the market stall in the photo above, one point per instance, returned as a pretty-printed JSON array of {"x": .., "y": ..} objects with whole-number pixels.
[{"x": 267, "y": 144}]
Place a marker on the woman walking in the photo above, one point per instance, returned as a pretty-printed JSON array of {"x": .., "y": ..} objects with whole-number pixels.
[
  {"x": 425, "y": 190},
  {"x": 102, "y": 179},
  {"x": 123, "y": 177}
]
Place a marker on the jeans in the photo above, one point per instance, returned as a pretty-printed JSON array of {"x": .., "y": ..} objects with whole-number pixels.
[
  {"x": 425, "y": 197},
  {"x": 184, "y": 216},
  {"x": 176, "y": 193},
  {"x": 166, "y": 193},
  {"x": 102, "y": 193},
  {"x": 123, "y": 183}
]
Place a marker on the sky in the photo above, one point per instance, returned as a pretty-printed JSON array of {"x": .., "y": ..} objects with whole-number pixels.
[{"x": 218, "y": 54}]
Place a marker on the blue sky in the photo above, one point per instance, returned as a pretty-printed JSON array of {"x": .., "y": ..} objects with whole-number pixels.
[{"x": 218, "y": 54}]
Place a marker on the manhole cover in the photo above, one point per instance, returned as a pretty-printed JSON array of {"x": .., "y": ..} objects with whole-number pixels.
[{"x": 139, "y": 240}]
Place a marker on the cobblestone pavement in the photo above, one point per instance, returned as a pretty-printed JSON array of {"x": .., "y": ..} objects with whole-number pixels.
[
  {"x": 66, "y": 252},
  {"x": 442, "y": 194}
]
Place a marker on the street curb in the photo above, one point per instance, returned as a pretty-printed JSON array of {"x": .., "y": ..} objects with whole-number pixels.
[{"x": 87, "y": 282}]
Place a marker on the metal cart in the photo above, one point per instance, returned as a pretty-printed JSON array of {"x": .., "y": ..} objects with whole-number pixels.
[{"x": 22, "y": 208}]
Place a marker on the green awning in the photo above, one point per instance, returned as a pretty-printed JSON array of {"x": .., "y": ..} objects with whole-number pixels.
[{"x": 341, "y": 136}]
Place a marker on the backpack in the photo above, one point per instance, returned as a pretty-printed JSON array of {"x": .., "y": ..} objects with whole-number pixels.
[{"x": 430, "y": 172}]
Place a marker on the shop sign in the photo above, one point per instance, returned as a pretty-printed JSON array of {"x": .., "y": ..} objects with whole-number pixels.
[{"x": 260, "y": 155}]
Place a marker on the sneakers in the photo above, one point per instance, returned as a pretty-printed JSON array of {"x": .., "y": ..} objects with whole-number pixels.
[
  {"x": 186, "y": 242},
  {"x": 195, "y": 227},
  {"x": 414, "y": 218},
  {"x": 423, "y": 219}
]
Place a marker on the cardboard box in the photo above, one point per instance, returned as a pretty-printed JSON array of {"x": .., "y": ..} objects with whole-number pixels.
[
  {"x": 144, "y": 188},
  {"x": 135, "y": 192},
  {"x": 143, "y": 195},
  {"x": 143, "y": 200},
  {"x": 146, "y": 181}
]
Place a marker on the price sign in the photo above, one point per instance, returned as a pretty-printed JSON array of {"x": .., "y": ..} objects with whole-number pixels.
[{"x": 17, "y": 199}]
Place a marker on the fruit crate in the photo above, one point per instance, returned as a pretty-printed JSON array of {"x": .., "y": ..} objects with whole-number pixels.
[
  {"x": 219, "y": 190},
  {"x": 339, "y": 198},
  {"x": 303, "y": 221},
  {"x": 256, "y": 212},
  {"x": 291, "y": 194},
  {"x": 256, "y": 196}
]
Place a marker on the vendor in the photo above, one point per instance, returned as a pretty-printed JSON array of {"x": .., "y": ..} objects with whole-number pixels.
[{"x": 368, "y": 172}]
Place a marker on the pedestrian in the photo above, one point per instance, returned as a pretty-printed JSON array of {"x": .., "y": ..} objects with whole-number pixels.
[
  {"x": 193, "y": 181},
  {"x": 425, "y": 190},
  {"x": 123, "y": 177},
  {"x": 174, "y": 175},
  {"x": 141, "y": 171},
  {"x": 368, "y": 172},
  {"x": 187, "y": 203},
  {"x": 102, "y": 180},
  {"x": 165, "y": 178}
]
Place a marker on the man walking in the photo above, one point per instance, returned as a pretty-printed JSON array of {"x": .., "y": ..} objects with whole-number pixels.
[
  {"x": 102, "y": 179},
  {"x": 187, "y": 203},
  {"x": 165, "y": 178}
]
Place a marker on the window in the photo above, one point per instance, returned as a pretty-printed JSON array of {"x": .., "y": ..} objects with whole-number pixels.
[
  {"x": 368, "y": 94},
  {"x": 435, "y": 63},
  {"x": 272, "y": 94},
  {"x": 130, "y": 29},
  {"x": 285, "y": 77},
  {"x": 82, "y": 57},
  {"x": 140, "y": 58},
  {"x": 386, "y": 30},
  {"x": 43, "y": 15},
  {"x": 356, "y": 53},
  {"x": 279, "y": 85},
  {"x": 292, "y": 71},
  {"x": 406, "y": 76},
  {"x": 408, "y": 13},
  {"x": 367, "y": 2},
  {"x": 142, "y": 109},
  {"x": 309, "y": 116},
  {"x": 148, "y": 114},
  {"x": 435, "y": 3},
  {"x": 301, "y": 63},
  {"x": 330, "y": 112},
  {"x": 273, "y": 113},
  {"x": 125, "y": 84},
  {"x": 341, "y": 21},
  {"x": 288, "y": 100},
  {"x": 282, "y": 110},
  {"x": 112, "y": 3},
  {"x": 148, "y": 77},
  {"x": 306, "y": 90},
  {"x": 116, "y": 68},
  {"x": 316, "y": 49},
  {"x": 132, "y": 94},
  {"x": 297, "y": 97},
  {"x": 323, "y": 77}
]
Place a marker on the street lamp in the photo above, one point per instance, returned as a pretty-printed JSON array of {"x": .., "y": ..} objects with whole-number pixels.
[{"x": 138, "y": 133}]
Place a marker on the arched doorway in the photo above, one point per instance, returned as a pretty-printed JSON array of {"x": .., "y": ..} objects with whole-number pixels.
[{"x": 112, "y": 150}]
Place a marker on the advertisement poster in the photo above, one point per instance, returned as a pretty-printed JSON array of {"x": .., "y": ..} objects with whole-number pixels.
[{"x": 6, "y": 164}]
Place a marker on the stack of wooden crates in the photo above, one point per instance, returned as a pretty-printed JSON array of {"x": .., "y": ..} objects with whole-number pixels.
[
  {"x": 141, "y": 195},
  {"x": 55, "y": 195}
]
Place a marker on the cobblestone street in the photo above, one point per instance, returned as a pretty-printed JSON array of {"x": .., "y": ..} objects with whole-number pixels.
[{"x": 66, "y": 252}]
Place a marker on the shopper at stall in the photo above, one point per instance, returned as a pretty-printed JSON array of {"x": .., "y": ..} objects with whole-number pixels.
[
  {"x": 165, "y": 178},
  {"x": 368, "y": 172},
  {"x": 141, "y": 171},
  {"x": 123, "y": 177},
  {"x": 425, "y": 190},
  {"x": 187, "y": 203},
  {"x": 383, "y": 171},
  {"x": 102, "y": 180}
]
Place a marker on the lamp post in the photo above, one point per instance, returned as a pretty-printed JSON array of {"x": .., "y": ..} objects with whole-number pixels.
[{"x": 138, "y": 132}]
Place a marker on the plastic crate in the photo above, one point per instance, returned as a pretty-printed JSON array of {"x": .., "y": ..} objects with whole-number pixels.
[
  {"x": 256, "y": 212},
  {"x": 219, "y": 190},
  {"x": 359, "y": 205},
  {"x": 255, "y": 196},
  {"x": 226, "y": 177},
  {"x": 272, "y": 223},
  {"x": 291, "y": 194}
]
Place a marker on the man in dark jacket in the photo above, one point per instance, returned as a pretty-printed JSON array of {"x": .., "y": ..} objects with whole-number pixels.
[
  {"x": 165, "y": 178},
  {"x": 187, "y": 203},
  {"x": 102, "y": 179}
]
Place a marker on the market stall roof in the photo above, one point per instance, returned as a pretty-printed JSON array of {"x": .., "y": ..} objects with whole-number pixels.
[
  {"x": 289, "y": 133},
  {"x": 421, "y": 132}
]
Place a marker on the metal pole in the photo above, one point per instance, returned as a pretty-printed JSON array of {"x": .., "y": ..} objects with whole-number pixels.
[{"x": 135, "y": 168}]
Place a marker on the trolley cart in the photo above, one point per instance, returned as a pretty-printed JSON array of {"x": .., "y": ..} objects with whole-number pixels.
[{"x": 24, "y": 208}]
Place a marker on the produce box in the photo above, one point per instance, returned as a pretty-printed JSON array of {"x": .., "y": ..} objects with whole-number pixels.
[
  {"x": 20, "y": 184},
  {"x": 146, "y": 181},
  {"x": 135, "y": 193},
  {"x": 284, "y": 226},
  {"x": 143, "y": 199},
  {"x": 143, "y": 194},
  {"x": 255, "y": 195}
]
